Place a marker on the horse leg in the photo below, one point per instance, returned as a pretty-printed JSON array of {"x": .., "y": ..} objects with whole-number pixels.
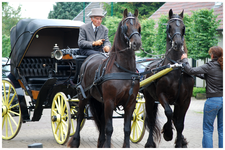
[
  {"x": 167, "y": 128},
  {"x": 74, "y": 142},
  {"x": 178, "y": 119},
  {"x": 127, "y": 124},
  {"x": 109, "y": 106},
  {"x": 150, "y": 120}
]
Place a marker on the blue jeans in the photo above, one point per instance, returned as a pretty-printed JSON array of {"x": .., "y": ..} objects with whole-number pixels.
[{"x": 213, "y": 107}]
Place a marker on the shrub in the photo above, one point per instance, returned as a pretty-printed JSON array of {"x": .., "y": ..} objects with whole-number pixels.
[{"x": 198, "y": 90}]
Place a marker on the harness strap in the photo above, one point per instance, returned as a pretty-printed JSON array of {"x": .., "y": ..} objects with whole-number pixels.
[
  {"x": 179, "y": 84},
  {"x": 119, "y": 76}
]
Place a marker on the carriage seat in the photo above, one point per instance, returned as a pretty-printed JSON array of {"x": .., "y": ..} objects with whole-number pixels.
[{"x": 75, "y": 52}]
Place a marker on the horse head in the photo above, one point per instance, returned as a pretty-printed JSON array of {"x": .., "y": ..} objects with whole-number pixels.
[
  {"x": 131, "y": 30},
  {"x": 175, "y": 30}
]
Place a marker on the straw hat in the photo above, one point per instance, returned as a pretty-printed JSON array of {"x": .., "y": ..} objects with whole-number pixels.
[{"x": 96, "y": 12}]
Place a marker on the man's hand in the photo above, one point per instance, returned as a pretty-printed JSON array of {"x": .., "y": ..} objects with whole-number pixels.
[
  {"x": 98, "y": 42},
  {"x": 106, "y": 49},
  {"x": 184, "y": 56}
]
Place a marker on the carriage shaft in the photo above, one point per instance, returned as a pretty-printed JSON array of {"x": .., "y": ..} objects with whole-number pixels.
[{"x": 155, "y": 76}]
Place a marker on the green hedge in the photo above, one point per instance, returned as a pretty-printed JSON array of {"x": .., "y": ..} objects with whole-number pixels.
[{"x": 198, "y": 90}]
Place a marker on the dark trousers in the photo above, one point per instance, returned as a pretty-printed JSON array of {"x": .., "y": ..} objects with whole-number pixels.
[{"x": 88, "y": 52}]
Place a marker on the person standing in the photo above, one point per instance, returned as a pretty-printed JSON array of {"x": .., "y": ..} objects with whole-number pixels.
[
  {"x": 212, "y": 72},
  {"x": 93, "y": 36}
]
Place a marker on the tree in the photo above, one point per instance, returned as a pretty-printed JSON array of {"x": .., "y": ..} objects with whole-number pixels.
[
  {"x": 112, "y": 24},
  {"x": 204, "y": 26},
  {"x": 147, "y": 35},
  {"x": 145, "y": 9},
  {"x": 66, "y": 10},
  {"x": 10, "y": 17},
  {"x": 6, "y": 47}
]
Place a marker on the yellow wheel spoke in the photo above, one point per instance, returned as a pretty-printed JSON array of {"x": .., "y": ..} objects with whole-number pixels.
[
  {"x": 63, "y": 121},
  {"x": 64, "y": 107},
  {"x": 140, "y": 112},
  {"x": 10, "y": 124},
  {"x": 55, "y": 113},
  {"x": 3, "y": 101},
  {"x": 13, "y": 120},
  {"x": 6, "y": 125},
  {"x": 139, "y": 106},
  {"x": 14, "y": 106},
  {"x": 3, "y": 122},
  {"x": 57, "y": 127},
  {"x": 12, "y": 99},
  {"x": 14, "y": 112},
  {"x": 8, "y": 93},
  {"x": 59, "y": 108},
  {"x": 138, "y": 125},
  {"x": 56, "y": 104},
  {"x": 136, "y": 128}
]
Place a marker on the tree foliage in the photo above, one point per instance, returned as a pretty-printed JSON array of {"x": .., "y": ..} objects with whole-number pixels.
[
  {"x": 112, "y": 24},
  {"x": 10, "y": 17},
  {"x": 145, "y": 9},
  {"x": 201, "y": 34},
  {"x": 66, "y": 10},
  {"x": 148, "y": 36},
  {"x": 6, "y": 47},
  {"x": 204, "y": 27}
]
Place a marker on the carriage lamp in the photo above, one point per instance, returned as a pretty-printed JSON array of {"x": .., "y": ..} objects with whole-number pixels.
[{"x": 57, "y": 54}]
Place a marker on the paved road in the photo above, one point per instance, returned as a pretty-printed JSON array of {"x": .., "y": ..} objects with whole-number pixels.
[{"x": 41, "y": 132}]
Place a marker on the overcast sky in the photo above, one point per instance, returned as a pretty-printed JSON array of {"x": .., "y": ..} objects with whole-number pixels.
[{"x": 34, "y": 9}]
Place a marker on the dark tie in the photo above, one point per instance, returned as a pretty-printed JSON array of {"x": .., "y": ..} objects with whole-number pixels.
[{"x": 96, "y": 29}]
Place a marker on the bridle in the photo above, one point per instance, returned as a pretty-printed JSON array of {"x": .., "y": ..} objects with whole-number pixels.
[
  {"x": 178, "y": 20},
  {"x": 124, "y": 30},
  {"x": 176, "y": 33}
]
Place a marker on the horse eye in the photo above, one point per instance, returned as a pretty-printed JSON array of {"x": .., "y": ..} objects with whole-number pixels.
[{"x": 184, "y": 30}]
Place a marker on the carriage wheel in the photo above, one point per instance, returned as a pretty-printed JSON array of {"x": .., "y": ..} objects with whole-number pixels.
[
  {"x": 11, "y": 114},
  {"x": 138, "y": 121},
  {"x": 60, "y": 118},
  {"x": 73, "y": 110}
]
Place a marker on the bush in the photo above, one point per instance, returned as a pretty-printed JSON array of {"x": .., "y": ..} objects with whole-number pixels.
[{"x": 198, "y": 90}]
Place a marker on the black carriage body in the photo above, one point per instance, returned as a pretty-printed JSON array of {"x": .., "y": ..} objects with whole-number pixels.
[{"x": 32, "y": 42}]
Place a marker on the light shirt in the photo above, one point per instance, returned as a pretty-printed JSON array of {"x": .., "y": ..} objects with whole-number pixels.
[{"x": 94, "y": 27}]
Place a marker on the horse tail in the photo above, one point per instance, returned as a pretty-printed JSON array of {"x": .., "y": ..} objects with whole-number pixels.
[
  {"x": 154, "y": 125},
  {"x": 156, "y": 129},
  {"x": 97, "y": 111}
]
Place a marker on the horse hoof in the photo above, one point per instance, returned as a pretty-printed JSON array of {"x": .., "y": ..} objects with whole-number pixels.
[
  {"x": 168, "y": 138},
  {"x": 150, "y": 145}
]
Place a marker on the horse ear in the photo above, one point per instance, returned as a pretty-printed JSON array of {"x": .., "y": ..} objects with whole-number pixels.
[
  {"x": 170, "y": 13},
  {"x": 181, "y": 14},
  {"x": 136, "y": 13},
  {"x": 125, "y": 13}
]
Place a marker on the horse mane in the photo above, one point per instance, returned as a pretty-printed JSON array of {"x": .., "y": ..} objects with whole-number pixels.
[
  {"x": 113, "y": 53},
  {"x": 185, "y": 47}
]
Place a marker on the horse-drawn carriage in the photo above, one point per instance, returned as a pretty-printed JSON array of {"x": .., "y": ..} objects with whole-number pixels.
[
  {"x": 58, "y": 77},
  {"x": 45, "y": 63}
]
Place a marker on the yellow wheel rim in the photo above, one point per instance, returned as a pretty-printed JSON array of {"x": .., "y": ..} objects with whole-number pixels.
[
  {"x": 11, "y": 114},
  {"x": 73, "y": 111},
  {"x": 137, "y": 123},
  {"x": 60, "y": 118}
]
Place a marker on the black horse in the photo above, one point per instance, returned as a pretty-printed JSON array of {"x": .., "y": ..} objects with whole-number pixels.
[
  {"x": 117, "y": 85},
  {"x": 174, "y": 88}
]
